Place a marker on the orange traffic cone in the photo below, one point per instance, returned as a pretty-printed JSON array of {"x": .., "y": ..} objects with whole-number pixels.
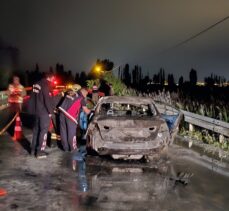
[{"x": 18, "y": 129}]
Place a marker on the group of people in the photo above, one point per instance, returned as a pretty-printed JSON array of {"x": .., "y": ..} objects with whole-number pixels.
[
  {"x": 41, "y": 105},
  {"x": 71, "y": 108}
]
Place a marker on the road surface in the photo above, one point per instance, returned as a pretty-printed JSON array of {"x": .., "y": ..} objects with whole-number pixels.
[{"x": 61, "y": 183}]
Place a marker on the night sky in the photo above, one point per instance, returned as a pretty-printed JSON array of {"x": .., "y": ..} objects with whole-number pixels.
[{"x": 77, "y": 32}]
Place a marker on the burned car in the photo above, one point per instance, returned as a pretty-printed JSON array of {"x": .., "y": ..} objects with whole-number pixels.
[{"x": 130, "y": 128}]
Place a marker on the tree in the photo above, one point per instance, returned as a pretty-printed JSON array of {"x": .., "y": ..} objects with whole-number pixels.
[
  {"x": 135, "y": 76},
  {"x": 193, "y": 77},
  {"x": 51, "y": 70},
  {"x": 100, "y": 67},
  {"x": 171, "y": 81},
  {"x": 144, "y": 83},
  {"x": 107, "y": 65},
  {"x": 181, "y": 81},
  {"x": 83, "y": 78},
  {"x": 209, "y": 81},
  {"x": 119, "y": 73},
  {"x": 156, "y": 78},
  {"x": 37, "y": 68},
  {"x": 77, "y": 78},
  {"x": 126, "y": 75},
  {"x": 70, "y": 77},
  {"x": 57, "y": 68},
  {"x": 214, "y": 79},
  {"x": 162, "y": 76}
]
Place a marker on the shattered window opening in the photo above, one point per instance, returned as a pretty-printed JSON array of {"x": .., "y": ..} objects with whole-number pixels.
[{"x": 122, "y": 109}]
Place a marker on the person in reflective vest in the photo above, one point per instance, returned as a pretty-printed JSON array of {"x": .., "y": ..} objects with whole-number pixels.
[
  {"x": 16, "y": 92},
  {"x": 69, "y": 113}
]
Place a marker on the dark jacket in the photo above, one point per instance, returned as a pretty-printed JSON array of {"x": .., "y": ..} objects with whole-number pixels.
[
  {"x": 73, "y": 104},
  {"x": 41, "y": 99},
  {"x": 69, "y": 100}
]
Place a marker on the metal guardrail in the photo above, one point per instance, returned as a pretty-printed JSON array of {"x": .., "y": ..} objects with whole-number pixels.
[
  {"x": 208, "y": 123},
  {"x": 205, "y": 122}
]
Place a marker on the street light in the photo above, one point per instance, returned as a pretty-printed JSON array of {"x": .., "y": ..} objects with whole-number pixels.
[{"x": 98, "y": 68}]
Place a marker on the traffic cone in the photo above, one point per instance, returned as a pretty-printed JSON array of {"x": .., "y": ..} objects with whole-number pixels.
[{"x": 18, "y": 129}]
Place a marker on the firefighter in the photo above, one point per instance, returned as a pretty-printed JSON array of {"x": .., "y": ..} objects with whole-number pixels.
[
  {"x": 16, "y": 92},
  {"x": 41, "y": 106},
  {"x": 69, "y": 113}
]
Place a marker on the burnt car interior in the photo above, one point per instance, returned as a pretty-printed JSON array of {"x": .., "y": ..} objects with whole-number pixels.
[{"x": 127, "y": 110}]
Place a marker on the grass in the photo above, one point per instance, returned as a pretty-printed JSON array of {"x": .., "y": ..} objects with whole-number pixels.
[
  {"x": 216, "y": 109},
  {"x": 206, "y": 137}
]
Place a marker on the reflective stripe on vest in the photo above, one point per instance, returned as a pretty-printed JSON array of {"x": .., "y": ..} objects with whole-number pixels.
[{"x": 15, "y": 94}]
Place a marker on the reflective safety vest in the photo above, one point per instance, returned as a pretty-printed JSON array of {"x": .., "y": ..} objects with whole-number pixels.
[
  {"x": 73, "y": 111},
  {"x": 16, "y": 93}
]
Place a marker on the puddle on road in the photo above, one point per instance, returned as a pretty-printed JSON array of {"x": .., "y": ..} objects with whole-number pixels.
[{"x": 104, "y": 184}]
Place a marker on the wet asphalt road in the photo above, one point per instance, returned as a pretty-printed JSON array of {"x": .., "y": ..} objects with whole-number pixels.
[{"x": 60, "y": 183}]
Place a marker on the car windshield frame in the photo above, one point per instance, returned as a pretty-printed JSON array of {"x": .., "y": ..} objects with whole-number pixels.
[{"x": 127, "y": 109}]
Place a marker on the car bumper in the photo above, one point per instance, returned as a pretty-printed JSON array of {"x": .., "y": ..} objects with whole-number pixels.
[{"x": 146, "y": 148}]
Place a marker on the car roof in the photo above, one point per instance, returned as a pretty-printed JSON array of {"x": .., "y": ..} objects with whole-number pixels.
[{"x": 126, "y": 99}]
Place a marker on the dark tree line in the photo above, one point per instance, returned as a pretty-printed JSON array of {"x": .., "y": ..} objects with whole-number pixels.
[
  {"x": 134, "y": 78},
  {"x": 214, "y": 79},
  {"x": 66, "y": 76},
  {"x": 62, "y": 76}
]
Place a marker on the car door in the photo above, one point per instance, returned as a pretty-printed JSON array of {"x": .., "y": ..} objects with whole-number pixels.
[{"x": 172, "y": 117}]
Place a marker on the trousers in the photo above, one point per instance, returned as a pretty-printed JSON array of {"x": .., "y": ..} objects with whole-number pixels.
[
  {"x": 40, "y": 133},
  {"x": 67, "y": 133}
]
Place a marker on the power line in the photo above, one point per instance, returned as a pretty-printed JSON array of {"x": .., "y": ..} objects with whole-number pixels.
[
  {"x": 187, "y": 40},
  {"x": 198, "y": 34}
]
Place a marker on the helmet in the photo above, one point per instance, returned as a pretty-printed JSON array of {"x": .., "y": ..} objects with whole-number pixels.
[{"x": 75, "y": 87}]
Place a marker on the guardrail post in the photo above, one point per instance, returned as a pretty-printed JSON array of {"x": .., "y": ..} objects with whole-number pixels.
[
  {"x": 2, "y": 96},
  {"x": 191, "y": 127},
  {"x": 221, "y": 138}
]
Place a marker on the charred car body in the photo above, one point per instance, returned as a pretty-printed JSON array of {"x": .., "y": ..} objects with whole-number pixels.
[{"x": 130, "y": 128}]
